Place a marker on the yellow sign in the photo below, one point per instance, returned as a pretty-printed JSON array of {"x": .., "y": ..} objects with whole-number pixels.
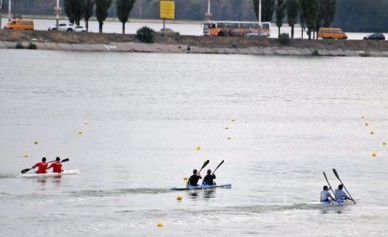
[{"x": 167, "y": 9}]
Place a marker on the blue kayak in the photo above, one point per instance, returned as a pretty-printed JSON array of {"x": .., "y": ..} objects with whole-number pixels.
[
  {"x": 201, "y": 187},
  {"x": 336, "y": 203}
]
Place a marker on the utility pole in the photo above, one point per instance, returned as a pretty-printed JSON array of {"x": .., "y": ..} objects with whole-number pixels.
[
  {"x": 9, "y": 10},
  {"x": 259, "y": 16},
  {"x": 57, "y": 11},
  {"x": 1, "y": 9}
]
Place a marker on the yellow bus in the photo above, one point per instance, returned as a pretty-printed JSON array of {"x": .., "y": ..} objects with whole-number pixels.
[
  {"x": 235, "y": 28},
  {"x": 332, "y": 33},
  {"x": 20, "y": 24}
]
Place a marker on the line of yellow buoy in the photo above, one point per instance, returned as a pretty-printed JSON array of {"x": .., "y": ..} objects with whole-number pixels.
[
  {"x": 37, "y": 142},
  {"x": 372, "y": 132}
]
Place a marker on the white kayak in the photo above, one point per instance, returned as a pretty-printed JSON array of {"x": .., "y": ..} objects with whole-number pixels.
[
  {"x": 65, "y": 172},
  {"x": 335, "y": 203}
]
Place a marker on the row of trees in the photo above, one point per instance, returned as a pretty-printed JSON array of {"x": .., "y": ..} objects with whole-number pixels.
[
  {"x": 312, "y": 14},
  {"x": 84, "y": 9}
]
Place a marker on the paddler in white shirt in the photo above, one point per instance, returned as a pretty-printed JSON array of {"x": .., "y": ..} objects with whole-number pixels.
[
  {"x": 341, "y": 195},
  {"x": 326, "y": 196}
]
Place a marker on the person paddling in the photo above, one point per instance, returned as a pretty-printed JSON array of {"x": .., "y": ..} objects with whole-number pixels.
[
  {"x": 341, "y": 195},
  {"x": 57, "y": 166},
  {"x": 193, "y": 180},
  {"x": 326, "y": 196},
  {"x": 42, "y": 166},
  {"x": 209, "y": 178}
]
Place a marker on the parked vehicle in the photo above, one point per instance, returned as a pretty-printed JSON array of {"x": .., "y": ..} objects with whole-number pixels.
[
  {"x": 332, "y": 33},
  {"x": 20, "y": 24},
  {"x": 375, "y": 36},
  {"x": 79, "y": 29},
  {"x": 256, "y": 34},
  {"x": 63, "y": 27}
]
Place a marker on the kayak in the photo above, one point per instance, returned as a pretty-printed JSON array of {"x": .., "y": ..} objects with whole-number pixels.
[
  {"x": 66, "y": 172},
  {"x": 336, "y": 203},
  {"x": 201, "y": 187}
]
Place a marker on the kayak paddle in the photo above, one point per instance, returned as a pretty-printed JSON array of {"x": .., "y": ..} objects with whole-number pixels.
[
  {"x": 336, "y": 175},
  {"x": 28, "y": 169},
  {"x": 324, "y": 174},
  {"x": 204, "y": 165},
  {"x": 218, "y": 166}
]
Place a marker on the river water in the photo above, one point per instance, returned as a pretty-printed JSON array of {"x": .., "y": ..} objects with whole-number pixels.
[{"x": 132, "y": 123}]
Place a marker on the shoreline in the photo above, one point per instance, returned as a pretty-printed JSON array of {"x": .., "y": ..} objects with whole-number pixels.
[{"x": 175, "y": 43}]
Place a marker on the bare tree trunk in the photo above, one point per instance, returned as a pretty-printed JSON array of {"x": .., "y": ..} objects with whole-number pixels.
[
  {"x": 100, "y": 26},
  {"x": 123, "y": 27}
]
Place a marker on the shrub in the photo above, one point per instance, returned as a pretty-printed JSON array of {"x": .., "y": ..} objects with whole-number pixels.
[
  {"x": 19, "y": 45},
  {"x": 315, "y": 52},
  {"x": 32, "y": 46},
  {"x": 284, "y": 39},
  {"x": 145, "y": 34}
]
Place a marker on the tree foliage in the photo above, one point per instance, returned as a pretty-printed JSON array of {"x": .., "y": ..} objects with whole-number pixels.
[
  {"x": 88, "y": 11},
  {"x": 292, "y": 14},
  {"x": 267, "y": 9},
  {"x": 362, "y": 15},
  {"x": 309, "y": 11},
  {"x": 74, "y": 10},
  {"x": 280, "y": 13},
  {"x": 102, "y": 7},
  {"x": 123, "y": 8}
]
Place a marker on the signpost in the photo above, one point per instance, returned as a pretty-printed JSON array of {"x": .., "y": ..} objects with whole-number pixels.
[
  {"x": 167, "y": 11},
  {"x": 208, "y": 15}
]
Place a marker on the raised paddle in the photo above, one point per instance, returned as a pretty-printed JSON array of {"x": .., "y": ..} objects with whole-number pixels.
[
  {"x": 218, "y": 166},
  {"x": 203, "y": 166},
  {"x": 336, "y": 175},
  {"x": 324, "y": 174},
  {"x": 28, "y": 169}
]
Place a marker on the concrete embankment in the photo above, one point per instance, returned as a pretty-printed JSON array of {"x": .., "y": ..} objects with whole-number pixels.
[{"x": 173, "y": 43}]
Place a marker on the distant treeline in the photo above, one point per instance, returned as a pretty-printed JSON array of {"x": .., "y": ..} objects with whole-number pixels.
[{"x": 351, "y": 15}]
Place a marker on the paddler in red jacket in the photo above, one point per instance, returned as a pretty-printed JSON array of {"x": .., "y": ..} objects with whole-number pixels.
[
  {"x": 57, "y": 166},
  {"x": 42, "y": 166}
]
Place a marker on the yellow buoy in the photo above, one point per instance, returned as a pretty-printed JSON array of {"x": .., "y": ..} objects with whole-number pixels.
[
  {"x": 185, "y": 178},
  {"x": 362, "y": 117},
  {"x": 229, "y": 138},
  {"x": 374, "y": 154},
  {"x": 179, "y": 198},
  {"x": 366, "y": 124},
  {"x": 25, "y": 155},
  {"x": 36, "y": 142},
  {"x": 384, "y": 143},
  {"x": 160, "y": 224},
  {"x": 226, "y": 128},
  {"x": 233, "y": 120},
  {"x": 86, "y": 123},
  {"x": 80, "y": 132},
  {"x": 198, "y": 148},
  {"x": 372, "y": 132}
]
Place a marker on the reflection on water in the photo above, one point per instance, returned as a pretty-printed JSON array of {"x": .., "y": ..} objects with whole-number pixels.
[{"x": 209, "y": 193}]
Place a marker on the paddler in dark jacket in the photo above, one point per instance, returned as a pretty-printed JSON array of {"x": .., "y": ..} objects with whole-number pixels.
[
  {"x": 193, "y": 180},
  {"x": 208, "y": 179}
]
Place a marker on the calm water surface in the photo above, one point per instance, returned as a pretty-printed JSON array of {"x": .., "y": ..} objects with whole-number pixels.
[{"x": 278, "y": 122}]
